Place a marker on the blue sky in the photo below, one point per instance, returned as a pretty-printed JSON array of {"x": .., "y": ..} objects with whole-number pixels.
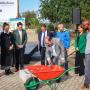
[{"x": 25, "y": 5}]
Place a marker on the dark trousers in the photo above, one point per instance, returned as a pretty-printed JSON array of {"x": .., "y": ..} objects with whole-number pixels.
[
  {"x": 13, "y": 57},
  {"x": 66, "y": 61},
  {"x": 79, "y": 61},
  {"x": 42, "y": 52},
  {"x": 2, "y": 59},
  {"x": 19, "y": 53},
  {"x": 6, "y": 58},
  {"x": 87, "y": 69}
]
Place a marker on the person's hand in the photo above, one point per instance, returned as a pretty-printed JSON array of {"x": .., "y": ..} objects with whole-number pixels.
[
  {"x": 77, "y": 49},
  {"x": 49, "y": 61},
  {"x": 62, "y": 61},
  {"x": 67, "y": 49},
  {"x": 20, "y": 46},
  {"x": 11, "y": 47}
]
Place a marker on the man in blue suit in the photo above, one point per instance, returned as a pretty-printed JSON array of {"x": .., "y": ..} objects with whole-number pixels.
[
  {"x": 41, "y": 44},
  {"x": 64, "y": 36}
]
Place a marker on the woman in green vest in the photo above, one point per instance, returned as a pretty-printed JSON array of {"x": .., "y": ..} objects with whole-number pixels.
[{"x": 80, "y": 44}]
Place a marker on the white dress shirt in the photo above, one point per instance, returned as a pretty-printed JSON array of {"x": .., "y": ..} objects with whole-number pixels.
[
  {"x": 42, "y": 37},
  {"x": 20, "y": 34}
]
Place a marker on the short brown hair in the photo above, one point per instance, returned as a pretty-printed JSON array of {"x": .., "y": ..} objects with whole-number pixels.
[
  {"x": 19, "y": 23},
  {"x": 43, "y": 25},
  {"x": 81, "y": 27},
  {"x": 5, "y": 24}
]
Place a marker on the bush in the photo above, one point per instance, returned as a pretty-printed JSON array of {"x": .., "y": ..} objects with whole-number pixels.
[{"x": 50, "y": 27}]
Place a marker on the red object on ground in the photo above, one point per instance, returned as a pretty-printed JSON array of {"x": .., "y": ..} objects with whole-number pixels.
[{"x": 46, "y": 72}]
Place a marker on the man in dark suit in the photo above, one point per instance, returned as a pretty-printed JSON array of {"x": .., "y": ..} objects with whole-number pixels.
[
  {"x": 20, "y": 37},
  {"x": 41, "y": 44}
]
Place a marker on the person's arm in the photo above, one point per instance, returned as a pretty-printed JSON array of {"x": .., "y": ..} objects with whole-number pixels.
[
  {"x": 12, "y": 38},
  {"x": 25, "y": 41},
  {"x": 62, "y": 51},
  {"x": 67, "y": 39},
  {"x": 12, "y": 42},
  {"x": 39, "y": 40},
  {"x": 1, "y": 40},
  {"x": 75, "y": 44},
  {"x": 83, "y": 43},
  {"x": 48, "y": 56},
  {"x": 15, "y": 41}
]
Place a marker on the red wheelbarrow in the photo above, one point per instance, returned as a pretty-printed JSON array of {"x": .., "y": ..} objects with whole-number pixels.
[{"x": 45, "y": 74}]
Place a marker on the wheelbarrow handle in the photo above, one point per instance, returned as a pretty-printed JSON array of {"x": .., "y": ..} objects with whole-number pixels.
[{"x": 70, "y": 69}]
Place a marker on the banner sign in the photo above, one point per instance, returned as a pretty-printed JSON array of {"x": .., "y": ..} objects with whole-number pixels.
[{"x": 8, "y": 9}]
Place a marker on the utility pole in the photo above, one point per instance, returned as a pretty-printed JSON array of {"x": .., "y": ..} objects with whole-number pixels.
[{"x": 17, "y": 9}]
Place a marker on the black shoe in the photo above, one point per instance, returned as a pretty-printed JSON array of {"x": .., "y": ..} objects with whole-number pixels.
[
  {"x": 81, "y": 74},
  {"x": 86, "y": 85},
  {"x": 8, "y": 72}
]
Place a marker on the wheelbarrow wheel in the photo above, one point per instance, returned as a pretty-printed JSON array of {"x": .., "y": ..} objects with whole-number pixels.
[{"x": 30, "y": 82}]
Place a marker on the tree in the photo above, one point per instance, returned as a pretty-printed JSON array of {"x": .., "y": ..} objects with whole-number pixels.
[
  {"x": 61, "y": 10},
  {"x": 29, "y": 14},
  {"x": 31, "y": 19},
  {"x": 34, "y": 22}
]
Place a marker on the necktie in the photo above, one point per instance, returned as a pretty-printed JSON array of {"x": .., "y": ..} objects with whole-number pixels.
[{"x": 44, "y": 39}]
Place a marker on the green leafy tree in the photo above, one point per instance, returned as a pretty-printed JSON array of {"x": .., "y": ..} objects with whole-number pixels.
[
  {"x": 29, "y": 14},
  {"x": 31, "y": 19},
  {"x": 61, "y": 10}
]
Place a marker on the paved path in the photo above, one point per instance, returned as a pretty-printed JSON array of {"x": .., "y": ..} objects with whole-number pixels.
[
  {"x": 72, "y": 82},
  {"x": 13, "y": 82}
]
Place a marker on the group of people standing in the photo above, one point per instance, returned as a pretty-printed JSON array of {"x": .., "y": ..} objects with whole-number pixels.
[
  {"x": 12, "y": 44},
  {"x": 53, "y": 45},
  {"x": 82, "y": 59}
]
